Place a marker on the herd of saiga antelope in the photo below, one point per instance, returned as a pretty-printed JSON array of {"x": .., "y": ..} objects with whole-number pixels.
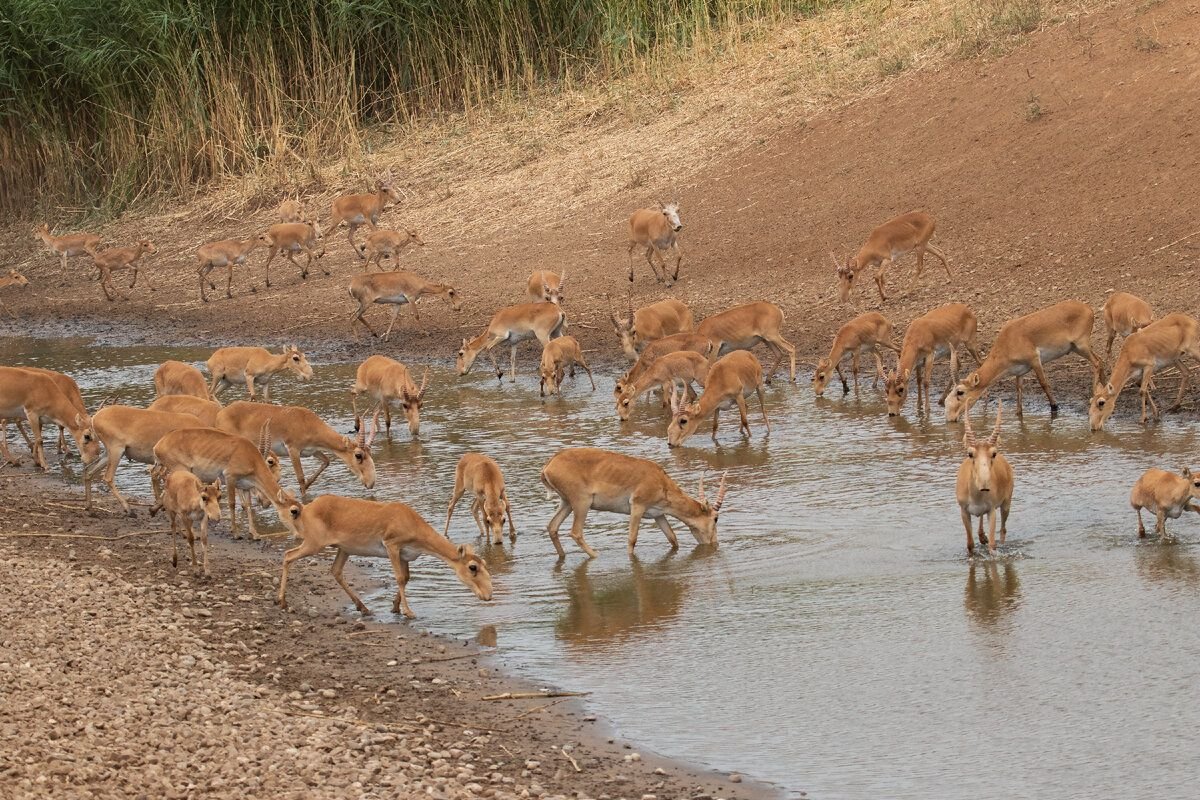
[{"x": 194, "y": 445}]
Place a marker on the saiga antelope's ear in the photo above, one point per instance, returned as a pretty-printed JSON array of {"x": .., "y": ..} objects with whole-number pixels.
[
  {"x": 974, "y": 380},
  {"x": 1187, "y": 472}
]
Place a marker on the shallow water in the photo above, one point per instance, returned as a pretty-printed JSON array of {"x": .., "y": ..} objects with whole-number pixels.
[{"x": 839, "y": 641}]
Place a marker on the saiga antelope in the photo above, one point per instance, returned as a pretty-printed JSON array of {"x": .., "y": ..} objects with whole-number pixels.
[
  {"x": 70, "y": 389},
  {"x": 1166, "y": 494},
  {"x": 68, "y": 245},
  {"x": 685, "y": 367},
  {"x": 176, "y": 377},
  {"x": 204, "y": 410},
  {"x": 388, "y": 244},
  {"x": 558, "y": 356},
  {"x": 227, "y": 253},
  {"x": 254, "y": 366},
  {"x": 650, "y": 323},
  {"x": 743, "y": 327},
  {"x": 512, "y": 325},
  {"x": 675, "y": 343},
  {"x": 119, "y": 258},
  {"x": 35, "y": 396},
  {"x": 1155, "y": 346},
  {"x": 292, "y": 238},
  {"x": 941, "y": 331},
  {"x": 892, "y": 239},
  {"x": 481, "y": 476},
  {"x": 357, "y": 210},
  {"x": 186, "y": 498},
  {"x": 546, "y": 287},
  {"x": 1125, "y": 313},
  {"x": 296, "y": 431},
  {"x": 210, "y": 454},
  {"x": 588, "y": 478},
  {"x": 379, "y": 530},
  {"x": 985, "y": 483},
  {"x": 128, "y": 432},
  {"x": 865, "y": 333},
  {"x": 395, "y": 289},
  {"x": 729, "y": 381},
  {"x": 13, "y": 278},
  {"x": 655, "y": 229},
  {"x": 388, "y": 382},
  {"x": 290, "y": 211},
  {"x": 1027, "y": 343}
]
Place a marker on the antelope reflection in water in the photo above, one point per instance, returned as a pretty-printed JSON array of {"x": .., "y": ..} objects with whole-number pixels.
[
  {"x": 988, "y": 597},
  {"x": 1168, "y": 563}
]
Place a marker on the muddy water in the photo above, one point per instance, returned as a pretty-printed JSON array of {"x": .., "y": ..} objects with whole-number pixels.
[{"x": 839, "y": 641}]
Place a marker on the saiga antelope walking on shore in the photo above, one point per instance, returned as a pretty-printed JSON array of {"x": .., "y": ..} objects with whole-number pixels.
[
  {"x": 357, "y": 210},
  {"x": 1155, "y": 346},
  {"x": 1166, "y": 494},
  {"x": 730, "y": 380},
  {"x": 388, "y": 244},
  {"x": 186, "y": 498},
  {"x": 940, "y": 332},
  {"x": 119, "y": 258},
  {"x": 69, "y": 245},
  {"x": 227, "y": 253},
  {"x": 291, "y": 238},
  {"x": 899, "y": 235},
  {"x": 985, "y": 483},
  {"x": 656, "y": 230},
  {"x": 512, "y": 325},
  {"x": 481, "y": 476},
  {"x": 395, "y": 289},
  {"x": 290, "y": 211},
  {"x": 865, "y": 333}
]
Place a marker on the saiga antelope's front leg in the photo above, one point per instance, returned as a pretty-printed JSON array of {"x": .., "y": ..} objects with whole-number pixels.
[
  {"x": 512, "y": 526},
  {"x": 966, "y": 520},
  {"x": 665, "y": 527},
  {"x": 302, "y": 550},
  {"x": 636, "y": 510},
  {"x": 556, "y": 521},
  {"x": 744, "y": 426},
  {"x": 299, "y": 469},
  {"x": 580, "y": 511},
  {"x": 400, "y": 568}
]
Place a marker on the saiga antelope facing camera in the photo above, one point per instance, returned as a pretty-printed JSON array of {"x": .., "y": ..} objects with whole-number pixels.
[
  {"x": 649, "y": 324},
  {"x": 588, "y": 478},
  {"x": 558, "y": 356},
  {"x": 512, "y": 325},
  {"x": 228, "y": 253},
  {"x": 865, "y": 333},
  {"x": 899, "y": 235},
  {"x": 357, "y": 210},
  {"x": 940, "y": 332},
  {"x": 176, "y": 377},
  {"x": 985, "y": 483},
  {"x": 730, "y": 380},
  {"x": 546, "y": 287},
  {"x": 68, "y": 245},
  {"x": 115, "y": 259},
  {"x": 388, "y": 244},
  {"x": 254, "y": 366},
  {"x": 656, "y": 230},
  {"x": 291, "y": 238},
  {"x": 388, "y": 383},
  {"x": 395, "y": 289},
  {"x": 1166, "y": 495},
  {"x": 481, "y": 476},
  {"x": 13, "y": 278},
  {"x": 186, "y": 498},
  {"x": 743, "y": 327},
  {"x": 379, "y": 530},
  {"x": 1125, "y": 313},
  {"x": 1143, "y": 352}
]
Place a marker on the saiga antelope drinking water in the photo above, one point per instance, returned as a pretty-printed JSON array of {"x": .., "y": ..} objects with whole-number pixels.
[
  {"x": 587, "y": 478},
  {"x": 892, "y": 239},
  {"x": 943, "y": 330},
  {"x": 357, "y": 210},
  {"x": 1125, "y": 313},
  {"x": 656, "y": 230},
  {"x": 204, "y": 410},
  {"x": 730, "y": 380},
  {"x": 1154, "y": 346},
  {"x": 650, "y": 323},
  {"x": 387, "y": 382},
  {"x": 675, "y": 343},
  {"x": 985, "y": 483},
  {"x": 68, "y": 245},
  {"x": 481, "y": 476},
  {"x": 512, "y": 325},
  {"x": 395, "y": 289},
  {"x": 253, "y": 366},
  {"x": 1166, "y": 494},
  {"x": 865, "y": 333},
  {"x": 186, "y": 498},
  {"x": 685, "y": 367},
  {"x": 37, "y": 396},
  {"x": 559, "y": 355}
]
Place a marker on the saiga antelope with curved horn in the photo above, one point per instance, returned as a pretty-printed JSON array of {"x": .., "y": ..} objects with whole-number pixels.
[
  {"x": 388, "y": 244},
  {"x": 743, "y": 327},
  {"x": 559, "y": 355},
  {"x": 210, "y": 454},
  {"x": 227, "y": 253},
  {"x": 656, "y": 229},
  {"x": 115, "y": 259},
  {"x": 357, "y": 210},
  {"x": 379, "y": 530},
  {"x": 291, "y": 238},
  {"x": 186, "y": 498},
  {"x": 512, "y": 325},
  {"x": 1025, "y": 344},
  {"x": 985, "y": 483},
  {"x": 940, "y": 332},
  {"x": 387, "y": 382},
  {"x": 1125, "y": 313},
  {"x": 176, "y": 377},
  {"x": 865, "y": 333},
  {"x": 546, "y": 287},
  {"x": 1166, "y": 494},
  {"x": 69, "y": 245},
  {"x": 684, "y": 367},
  {"x": 899, "y": 235},
  {"x": 588, "y": 478},
  {"x": 395, "y": 289},
  {"x": 37, "y": 396},
  {"x": 729, "y": 381},
  {"x": 13, "y": 278},
  {"x": 675, "y": 343},
  {"x": 481, "y": 476},
  {"x": 204, "y": 410},
  {"x": 296, "y": 431},
  {"x": 650, "y": 323},
  {"x": 253, "y": 366},
  {"x": 1155, "y": 346}
]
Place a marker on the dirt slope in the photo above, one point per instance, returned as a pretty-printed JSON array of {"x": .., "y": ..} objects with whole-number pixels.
[{"x": 1067, "y": 168}]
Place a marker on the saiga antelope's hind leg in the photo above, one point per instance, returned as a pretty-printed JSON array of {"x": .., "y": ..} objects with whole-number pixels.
[
  {"x": 1183, "y": 384},
  {"x": 937, "y": 251},
  {"x": 1141, "y": 525},
  {"x": 580, "y": 512},
  {"x": 744, "y": 422},
  {"x": 1040, "y": 373},
  {"x": 512, "y": 526},
  {"x": 762, "y": 406},
  {"x": 853, "y": 371},
  {"x": 556, "y": 521}
]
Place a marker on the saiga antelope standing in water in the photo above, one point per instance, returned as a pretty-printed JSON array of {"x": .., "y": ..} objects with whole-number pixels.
[
  {"x": 865, "y": 333},
  {"x": 558, "y": 356},
  {"x": 186, "y": 498},
  {"x": 379, "y": 530},
  {"x": 227, "y": 253},
  {"x": 291, "y": 238},
  {"x": 357, "y": 210},
  {"x": 481, "y": 476},
  {"x": 656, "y": 230},
  {"x": 546, "y": 287},
  {"x": 37, "y": 395},
  {"x": 296, "y": 431},
  {"x": 119, "y": 258},
  {"x": 899, "y": 235},
  {"x": 675, "y": 343},
  {"x": 941, "y": 331},
  {"x": 395, "y": 289},
  {"x": 13, "y": 278},
  {"x": 1125, "y": 313},
  {"x": 730, "y": 380},
  {"x": 985, "y": 483},
  {"x": 588, "y": 478},
  {"x": 1166, "y": 494},
  {"x": 1025, "y": 344},
  {"x": 650, "y": 323},
  {"x": 512, "y": 325},
  {"x": 388, "y": 382},
  {"x": 388, "y": 244},
  {"x": 1151, "y": 348},
  {"x": 685, "y": 367},
  {"x": 176, "y": 377},
  {"x": 204, "y": 410},
  {"x": 743, "y": 327},
  {"x": 253, "y": 366},
  {"x": 68, "y": 245},
  {"x": 70, "y": 389}
]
